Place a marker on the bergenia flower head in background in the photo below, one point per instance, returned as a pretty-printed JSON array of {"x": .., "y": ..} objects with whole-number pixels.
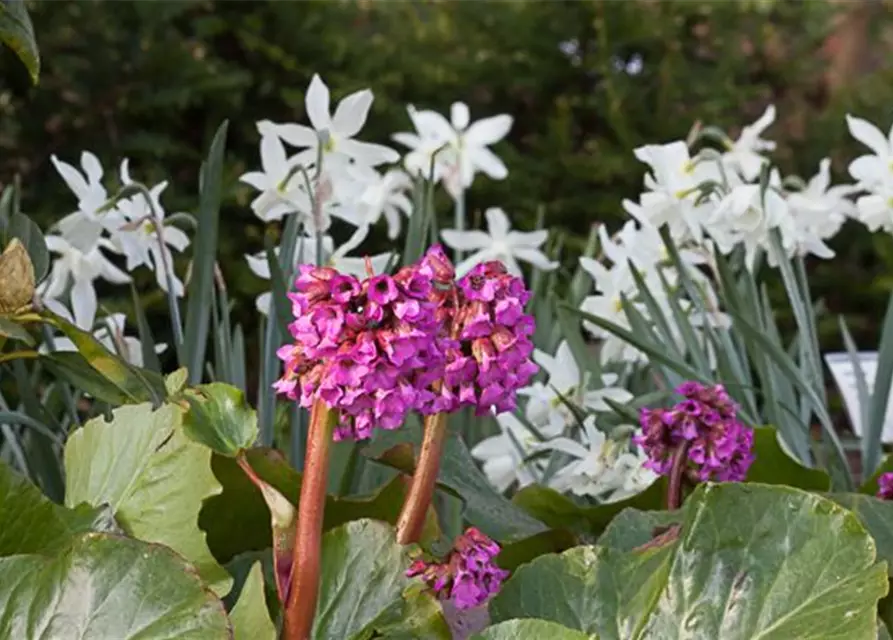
[
  {"x": 499, "y": 243},
  {"x": 885, "y": 486},
  {"x": 469, "y": 576},
  {"x": 719, "y": 447},
  {"x": 491, "y": 359},
  {"x": 466, "y": 143},
  {"x": 369, "y": 349}
]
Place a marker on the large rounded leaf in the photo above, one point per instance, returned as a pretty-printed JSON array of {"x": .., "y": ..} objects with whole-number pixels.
[
  {"x": 876, "y": 515},
  {"x": 773, "y": 466},
  {"x": 364, "y": 589},
  {"x": 752, "y": 561},
  {"x": 152, "y": 476},
  {"x": 31, "y": 523},
  {"x": 219, "y": 418},
  {"x": 530, "y": 630},
  {"x": 251, "y": 620},
  {"x": 105, "y": 586}
]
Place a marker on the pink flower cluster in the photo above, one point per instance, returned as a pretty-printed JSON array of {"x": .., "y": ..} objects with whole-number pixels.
[
  {"x": 719, "y": 446},
  {"x": 369, "y": 349},
  {"x": 490, "y": 358},
  {"x": 378, "y": 348},
  {"x": 469, "y": 576},
  {"x": 885, "y": 486}
]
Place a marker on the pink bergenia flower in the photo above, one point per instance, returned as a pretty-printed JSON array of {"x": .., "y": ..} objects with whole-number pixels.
[
  {"x": 378, "y": 348},
  {"x": 720, "y": 447},
  {"x": 469, "y": 576},
  {"x": 368, "y": 349},
  {"x": 491, "y": 359},
  {"x": 885, "y": 486}
]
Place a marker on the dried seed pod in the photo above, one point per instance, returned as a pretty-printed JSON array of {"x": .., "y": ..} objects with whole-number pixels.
[{"x": 16, "y": 278}]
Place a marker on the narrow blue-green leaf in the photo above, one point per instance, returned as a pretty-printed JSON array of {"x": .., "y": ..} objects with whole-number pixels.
[
  {"x": 784, "y": 363},
  {"x": 205, "y": 255},
  {"x": 861, "y": 392},
  {"x": 654, "y": 352},
  {"x": 147, "y": 341},
  {"x": 238, "y": 359},
  {"x": 880, "y": 392},
  {"x": 14, "y": 417}
]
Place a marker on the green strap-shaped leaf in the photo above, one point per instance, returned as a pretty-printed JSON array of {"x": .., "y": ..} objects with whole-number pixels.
[
  {"x": 153, "y": 477},
  {"x": 201, "y": 285},
  {"x": 364, "y": 590},
  {"x": 17, "y": 33},
  {"x": 753, "y": 562},
  {"x": 104, "y": 586},
  {"x": 130, "y": 382}
]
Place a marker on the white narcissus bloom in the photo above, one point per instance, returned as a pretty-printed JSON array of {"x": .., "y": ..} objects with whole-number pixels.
[
  {"x": 672, "y": 191},
  {"x": 468, "y": 143},
  {"x": 747, "y": 216},
  {"x": 602, "y": 468},
  {"x": 875, "y": 169},
  {"x": 335, "y": 132},
  {"x": 875, "y": 210},
  {"x": 138, "y": 238},
  {"x": 501, "y": 243},
  {"x": 502, "y": 456},
  {"x": 84, "y": 227},
  {"x": 281, "y": 191},
  {"x": 819, "y": 211},
  {"x": 611, "y": 285},
  {"x": 546, "y": 410},
  {"x": 83, "y": 269},
  {"x": 745, "y": 155},
  {"x": 378, "y": 195}
]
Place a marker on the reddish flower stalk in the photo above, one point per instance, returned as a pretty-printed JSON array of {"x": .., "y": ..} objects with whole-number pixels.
[
  {"x": 304, "y": 589},
  {"x": 677, "y": 476},
  {"x": 421, "y": 489}
]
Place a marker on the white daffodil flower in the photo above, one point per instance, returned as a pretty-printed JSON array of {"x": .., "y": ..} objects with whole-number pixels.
[
  {"x": 672, "y": 191},
  {"x": 595, "y": 471},
  {"x": 745, "y": 155},
  {"x": 501, "y": 243},
  {"x": 545, "y": 408},
  {"x": 875, "y": 169},
  {"x": 378, "y": 195},
  {"x": 468, "y": 152},
  {"x": 746, "y": 216},
  {"x": 83, "y": 269},
  {"x": 819, "y": 212},
  {"x": 83, "y": 227},
  {"x": 502, "y": 456},
  {"x": 281, "y": 190},
  {"x": 138, "y": 239},
  {"x": 335, "y": 134}
]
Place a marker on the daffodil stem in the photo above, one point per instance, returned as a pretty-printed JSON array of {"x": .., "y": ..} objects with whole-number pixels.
[
  {"x": 460, "y": 220},
  {"x": 421, "y": 490},
  {"x": 677, "y": 476},
  {"x": 303, "y": 590}
]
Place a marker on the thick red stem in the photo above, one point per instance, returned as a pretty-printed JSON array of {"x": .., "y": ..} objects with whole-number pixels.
[{"x": 304, "y": 590}]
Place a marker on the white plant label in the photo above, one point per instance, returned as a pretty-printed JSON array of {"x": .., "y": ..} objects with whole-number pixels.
[{"x": 841, "y": 366}]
